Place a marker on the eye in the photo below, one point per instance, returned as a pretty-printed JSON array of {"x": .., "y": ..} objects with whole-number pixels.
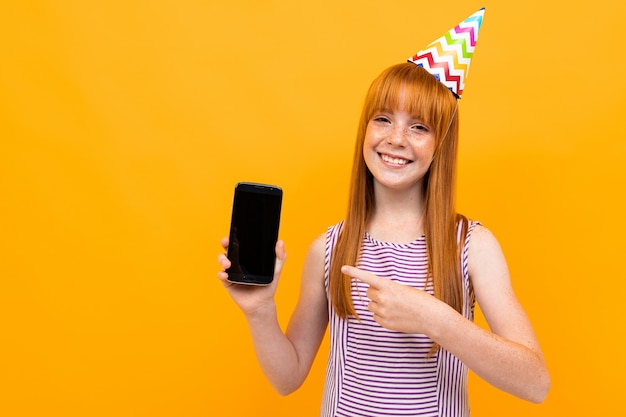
[
  {"x": 420, "y": 128},
  {"x": 381, "y": 119}
]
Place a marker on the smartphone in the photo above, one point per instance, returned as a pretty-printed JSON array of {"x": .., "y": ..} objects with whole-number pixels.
[{"x": 253, "y": 233}]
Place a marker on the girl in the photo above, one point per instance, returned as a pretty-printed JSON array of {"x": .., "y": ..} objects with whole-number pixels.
[{"x": 397, "y": 280}]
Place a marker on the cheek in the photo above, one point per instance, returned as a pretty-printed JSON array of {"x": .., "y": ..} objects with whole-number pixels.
[
  {"x": 369, "y": 138},
  {"x": 368, "y": 154},
  {"x": 427, "y": 147},
  {"x": 369, "y": 144}
]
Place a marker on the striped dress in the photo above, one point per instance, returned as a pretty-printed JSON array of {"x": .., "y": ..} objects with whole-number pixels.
[{"x": 373, "y": 371}]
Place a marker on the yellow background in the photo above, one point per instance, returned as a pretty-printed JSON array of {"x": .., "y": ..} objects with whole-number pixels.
[{"x": 124, "y": 126}]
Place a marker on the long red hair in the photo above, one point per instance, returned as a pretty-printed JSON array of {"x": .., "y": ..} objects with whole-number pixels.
[{"x": 415, "y": 89}]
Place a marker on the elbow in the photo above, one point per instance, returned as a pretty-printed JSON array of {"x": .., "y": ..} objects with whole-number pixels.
[
  {"x": 286, "y": 389},
  {"x": 540, "y": 388},
  {"x": 545, "y": 385},
  {"x": 283, "y": 392},
  {"x": 533, "y": 387}
]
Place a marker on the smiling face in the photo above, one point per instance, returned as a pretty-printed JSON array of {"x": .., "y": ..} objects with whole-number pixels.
[
  {"x": 403, "y": 98},
  {"x": 398, "y": 149}
]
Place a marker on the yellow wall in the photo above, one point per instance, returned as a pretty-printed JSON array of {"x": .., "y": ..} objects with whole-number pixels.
[{"x": 124, "y": 126}]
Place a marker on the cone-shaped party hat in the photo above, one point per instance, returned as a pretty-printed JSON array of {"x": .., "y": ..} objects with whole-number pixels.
[{"x": 448, "y": 58}]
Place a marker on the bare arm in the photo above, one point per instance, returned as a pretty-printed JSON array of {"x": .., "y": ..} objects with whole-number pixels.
[
  {"x": 507, "y": 357},
  {"x": 286, "y": 358}
]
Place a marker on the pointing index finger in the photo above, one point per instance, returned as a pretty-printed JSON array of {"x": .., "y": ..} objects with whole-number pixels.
[{"x": 364, "y": 276}]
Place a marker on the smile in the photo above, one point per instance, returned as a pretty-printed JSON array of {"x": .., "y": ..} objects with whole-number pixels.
[{"x": 392, "y": 160}]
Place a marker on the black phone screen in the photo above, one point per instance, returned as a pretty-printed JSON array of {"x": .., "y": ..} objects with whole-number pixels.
[{"x": 253, "y": 233}]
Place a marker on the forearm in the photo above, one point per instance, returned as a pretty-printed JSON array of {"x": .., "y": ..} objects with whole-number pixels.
[
  {"x": 507, "y": 365},
  {"x": 275, "y": 353}
]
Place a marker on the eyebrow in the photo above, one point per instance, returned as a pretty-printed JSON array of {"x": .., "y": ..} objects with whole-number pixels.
[{"x": 417, "y": 117}]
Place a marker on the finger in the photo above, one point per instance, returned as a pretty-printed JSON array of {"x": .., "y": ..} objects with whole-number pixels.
[
  {"x": 224, "y": 242},
  {"x": 373, "y": 308},
  {"x": 223, "y": 261},
  {"x": 372, "y": 294},
  {"x": 364, "y": 276},
  {"x": 281, "y": 254},
  {"x": 223, "y": 276}
]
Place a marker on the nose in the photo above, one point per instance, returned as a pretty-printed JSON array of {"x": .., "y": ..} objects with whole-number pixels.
[{"x": 397, "y": 136}]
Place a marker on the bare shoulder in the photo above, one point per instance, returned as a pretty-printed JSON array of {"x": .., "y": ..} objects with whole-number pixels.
[
  {"x": 485, "y": 254},
  {"x": 313, "y": 271},
  {"x": 317, "y": 249},
  {"x": 489, "y": 272},
  {"x": 482, "y": 239},
  {"x": 310, "y": 317},
  {"x": 491, "y": 280}
]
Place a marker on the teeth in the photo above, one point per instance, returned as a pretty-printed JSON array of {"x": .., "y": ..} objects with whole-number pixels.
[{"x": 396, "y": 161}]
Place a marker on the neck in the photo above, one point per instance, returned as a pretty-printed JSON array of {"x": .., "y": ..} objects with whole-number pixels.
[{"x": 397, "y": 216}]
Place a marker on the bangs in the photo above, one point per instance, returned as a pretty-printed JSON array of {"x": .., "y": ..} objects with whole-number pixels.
[{"x": 411, "y": 88}]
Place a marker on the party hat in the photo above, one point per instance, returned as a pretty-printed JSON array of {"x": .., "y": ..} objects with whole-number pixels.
[{"x": 448, "y": 58}]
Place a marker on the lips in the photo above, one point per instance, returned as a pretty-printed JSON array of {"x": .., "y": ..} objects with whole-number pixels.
[{"x": 394, "y": 160}]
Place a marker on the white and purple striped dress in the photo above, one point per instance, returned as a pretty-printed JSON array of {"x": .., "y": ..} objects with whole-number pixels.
[{"x": 373, "y": 371}]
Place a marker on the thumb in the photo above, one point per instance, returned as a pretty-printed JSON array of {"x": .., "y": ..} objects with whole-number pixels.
[{"x": 281, "y": 254}]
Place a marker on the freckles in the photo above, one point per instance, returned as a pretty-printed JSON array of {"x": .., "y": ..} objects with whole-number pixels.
[{"x": 425, "y": 147}]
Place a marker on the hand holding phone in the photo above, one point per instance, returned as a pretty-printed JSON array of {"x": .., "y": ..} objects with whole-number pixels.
[{"x": 254, "y": 229}]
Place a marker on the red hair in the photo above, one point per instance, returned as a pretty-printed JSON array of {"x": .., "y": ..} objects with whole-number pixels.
[{"x": 418, "y": 92}]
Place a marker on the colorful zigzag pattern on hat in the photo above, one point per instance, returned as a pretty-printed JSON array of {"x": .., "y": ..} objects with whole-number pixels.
[{"x": 448, "y": 58}]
